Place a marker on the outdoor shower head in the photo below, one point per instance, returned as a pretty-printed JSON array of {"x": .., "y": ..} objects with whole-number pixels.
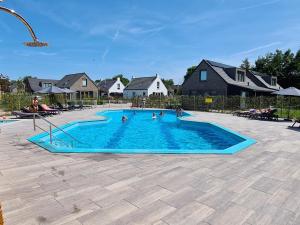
[{"x": 35, "y": 42}]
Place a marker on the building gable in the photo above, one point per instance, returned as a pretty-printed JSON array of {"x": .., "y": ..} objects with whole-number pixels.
[{"x": 213, "y": 85}]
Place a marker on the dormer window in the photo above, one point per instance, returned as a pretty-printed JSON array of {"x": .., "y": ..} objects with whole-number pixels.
[
  {"x": 118, "y": 86},
  {"x": 240, "y": 76},
  {"x": 45, "y": 85},
  {"x": 84, "y": 82},
  {"x": 157, "y": 85},
  {"x": 274, "y": 81}
]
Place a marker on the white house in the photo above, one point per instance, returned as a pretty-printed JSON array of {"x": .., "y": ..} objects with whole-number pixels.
[
  {"x": 111, "y": 87},
  {"x": 144, "y": 87}
]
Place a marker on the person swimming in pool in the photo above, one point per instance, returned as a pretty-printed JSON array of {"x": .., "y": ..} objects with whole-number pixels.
[
  {"x": 161, "y": 113},
  {"x": 124, "y": 119},
  {"x": 153, "y": 116}
]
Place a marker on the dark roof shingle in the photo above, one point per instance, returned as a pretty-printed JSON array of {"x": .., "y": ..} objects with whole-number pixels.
[
  {"x": 105, "y": 85},
  {"x": 140, "y": 83},
  {"x": 35, "y": 84},
  {"x": 68, "y": 80}
]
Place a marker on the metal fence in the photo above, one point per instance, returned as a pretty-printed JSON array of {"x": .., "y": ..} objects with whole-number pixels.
[
  {"x": 224, "y": 104},
  {"x": 15, "y": 101}
]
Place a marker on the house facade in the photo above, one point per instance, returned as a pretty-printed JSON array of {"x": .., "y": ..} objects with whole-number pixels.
[
  {"x": 35, "y": 84},
  {"x": 145, "y": 87},
  {"x": 81, "y": 83},
  {"x": 111, "y": 87},
  {"x": 212, "y": 79},
  {"x": 83, "y": 86}
]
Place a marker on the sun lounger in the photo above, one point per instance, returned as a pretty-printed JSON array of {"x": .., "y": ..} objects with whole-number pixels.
[
  {"x": 244, "y": 113},
  {"x": 265, "y": 114},
  {"x": 72, "y": 106},
  {"x": 22, "y": 115},
  {"x": 62, "y": 108},
  {"x": 45, "y": 108},
  {"x": 295, "y": 122}
]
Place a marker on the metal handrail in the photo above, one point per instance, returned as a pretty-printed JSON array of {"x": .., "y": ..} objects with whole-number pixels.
[
  {"x": 49, "y": 134},
  {"x": 51, "y": 124}
]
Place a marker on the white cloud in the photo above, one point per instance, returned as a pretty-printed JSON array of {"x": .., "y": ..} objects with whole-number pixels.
[
  {"x": 104, "y": 54},
  {"x": 252, "y": 50},
  {"x": 259, "y": 5},
  {"x": 116, "y": 35}
]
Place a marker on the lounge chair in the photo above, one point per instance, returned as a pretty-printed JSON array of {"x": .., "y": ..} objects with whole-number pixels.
[
  {"x": 47, "y": 109},
  {"x": 295, "y": 122},
  {"x": 244, "y": 113},
  {"x": 72, "y": 106},
  {"x": 22, "y": 115},
  {"x": 85, "y": 106},
  {"x": 25, "y": 113},
  {"x": 62, "y": 107},
  {"x": 269, "y": 115},
  {"x": 264, "y": 114}
]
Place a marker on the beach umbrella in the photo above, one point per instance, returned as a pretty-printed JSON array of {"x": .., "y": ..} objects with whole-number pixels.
[
  {"x": 291, "y": 91},
  {"x": 51, "y": 90}
]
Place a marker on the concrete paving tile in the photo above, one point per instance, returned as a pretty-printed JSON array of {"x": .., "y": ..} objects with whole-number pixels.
[{"x": 192, "y": 214}]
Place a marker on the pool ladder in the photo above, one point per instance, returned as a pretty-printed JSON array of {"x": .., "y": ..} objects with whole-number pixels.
[{"x": 50, "y": 132}]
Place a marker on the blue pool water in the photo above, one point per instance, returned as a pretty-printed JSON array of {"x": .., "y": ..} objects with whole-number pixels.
[{"x": 141, "y": 134}]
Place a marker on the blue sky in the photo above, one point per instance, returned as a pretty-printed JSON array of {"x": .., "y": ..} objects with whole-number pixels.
[{"x": 142, "y": 37}]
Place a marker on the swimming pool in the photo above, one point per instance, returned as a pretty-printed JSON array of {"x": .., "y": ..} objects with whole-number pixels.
[{"x": 142, "y": 134}]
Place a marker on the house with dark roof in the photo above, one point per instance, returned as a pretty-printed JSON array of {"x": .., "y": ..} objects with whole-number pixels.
[
  {"x": 81, "y": 83},
  {"x": 35, "y": 84},
  {"x": 145, "y": 87},
  {"x": 212, "y": 78},
  {"x": 111, "y": 87}
]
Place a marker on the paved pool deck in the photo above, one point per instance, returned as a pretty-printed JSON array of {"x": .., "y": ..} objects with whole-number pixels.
[{"x": 260, "y": 185}]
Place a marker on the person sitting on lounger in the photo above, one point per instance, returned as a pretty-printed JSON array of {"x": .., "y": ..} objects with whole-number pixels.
[
  {"x": 35, "y": 104},
  {"x": 153, "y": 116}
]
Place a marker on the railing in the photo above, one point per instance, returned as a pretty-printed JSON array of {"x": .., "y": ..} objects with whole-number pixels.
[{"x": 50, "y": 132}]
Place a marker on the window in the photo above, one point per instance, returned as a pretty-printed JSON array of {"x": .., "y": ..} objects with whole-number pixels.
[
  {"x": 158, "y": 85},
  {"x": 45, "y": 85},
  {"x": 118, "y": 86},
  {"x": 84, "y": 82},
  {"x": 241, "y": 76},
  {"x": 144, "y": 93},
  {"x": 203, "y": 75},
  {"x": 274, "y": 81},
  {"x": 133, "y": 94}
]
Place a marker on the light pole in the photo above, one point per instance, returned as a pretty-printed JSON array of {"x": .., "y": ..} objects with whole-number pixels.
[{"x": 35, "y": 42}]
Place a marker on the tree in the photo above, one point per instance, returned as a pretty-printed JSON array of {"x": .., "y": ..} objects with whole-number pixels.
[
  {"x": 4, "y": 83},
  {"x": 97, "y": 81},
  {"x": 189, "y": 72},
  {"x": 246, "y": 65},
  {"x": 284, "y": 65},
  {"x": 123, "y": 79},
  {"x": 168, "y": 83}
]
